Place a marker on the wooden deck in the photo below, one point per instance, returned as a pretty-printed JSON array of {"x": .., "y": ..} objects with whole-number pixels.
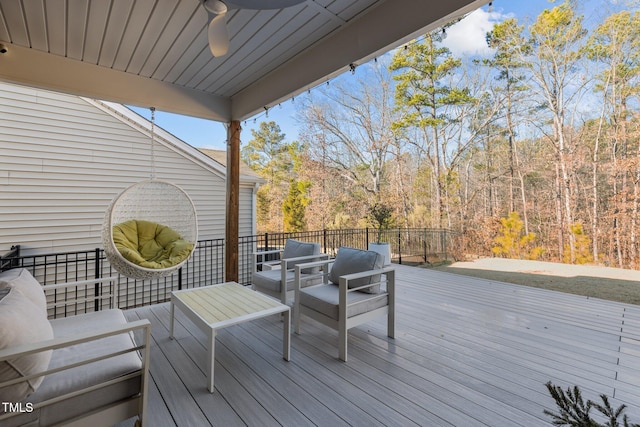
[{"x": 467, "y": 352}]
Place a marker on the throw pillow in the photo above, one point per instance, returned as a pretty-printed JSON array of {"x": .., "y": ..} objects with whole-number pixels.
[
  {"x": 22, "y": 322},
  {"x": 22, "y": 279},
  {"x": 295, "y": 248},
  {"x": 349, "y": 261}
]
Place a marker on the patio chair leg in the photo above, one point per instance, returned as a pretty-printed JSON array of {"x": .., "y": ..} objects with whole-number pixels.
[
  {"x": 296, "y": 318},
  {"x": 342, "y": 345}
]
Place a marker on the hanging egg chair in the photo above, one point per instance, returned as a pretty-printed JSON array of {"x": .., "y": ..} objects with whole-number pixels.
[{"x": 150, "y": 229}]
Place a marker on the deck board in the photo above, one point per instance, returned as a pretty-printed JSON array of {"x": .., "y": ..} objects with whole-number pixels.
[{"x": 467, "y": 352}]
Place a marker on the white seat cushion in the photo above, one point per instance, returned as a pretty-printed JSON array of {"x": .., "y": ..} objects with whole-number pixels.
[
  {"x": 22, "y": 279},
  {"x": 85, "y": 375}
]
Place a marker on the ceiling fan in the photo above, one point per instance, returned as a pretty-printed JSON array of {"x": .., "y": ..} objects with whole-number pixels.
[{"x": 217, "y": 10}]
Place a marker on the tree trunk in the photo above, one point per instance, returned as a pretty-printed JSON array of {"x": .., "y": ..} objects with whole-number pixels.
[
  {"x": 523, "y": 193},
  {"x": 559, "y": 216}
]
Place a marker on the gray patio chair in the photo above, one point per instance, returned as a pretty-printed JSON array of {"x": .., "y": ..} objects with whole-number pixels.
[
  {"x": 274, "y": 274},
  {"x": 354, "y": 289}
]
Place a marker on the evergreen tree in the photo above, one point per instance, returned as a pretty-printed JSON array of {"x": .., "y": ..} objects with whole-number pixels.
[
  {"x": 273, "y": 159},
  {"x": 510, "y": 47},
  {"x": 429, "y": 104},
  {"x": 555, "y": 38},
  {"x": 295, "y": 205}
]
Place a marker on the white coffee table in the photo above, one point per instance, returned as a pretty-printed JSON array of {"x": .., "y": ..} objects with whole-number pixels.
[{"x": 217, "y": 306}]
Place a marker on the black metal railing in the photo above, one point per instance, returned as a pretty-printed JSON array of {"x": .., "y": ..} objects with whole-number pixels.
[
  {"x": 10, "y": 259},
  {"x": 407, "y": 244},
  {"x": 206, "y": 266}
]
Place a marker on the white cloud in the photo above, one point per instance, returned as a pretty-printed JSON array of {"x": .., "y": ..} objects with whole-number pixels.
[{"x": 468, "y": 37}]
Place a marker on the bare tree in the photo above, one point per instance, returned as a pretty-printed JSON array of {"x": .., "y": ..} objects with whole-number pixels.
[
  {"x": 510, "y": 48},
  {"x": 555, "y": 40},
  {"x": 614, "y": 44},
  {"x": 348, "y": 129}
]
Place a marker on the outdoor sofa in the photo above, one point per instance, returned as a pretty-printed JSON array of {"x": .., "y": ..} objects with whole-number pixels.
[{"x": 78, "y": 370}]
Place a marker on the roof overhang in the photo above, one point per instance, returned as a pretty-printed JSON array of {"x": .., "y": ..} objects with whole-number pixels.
[{"x": 155, "y": 53}]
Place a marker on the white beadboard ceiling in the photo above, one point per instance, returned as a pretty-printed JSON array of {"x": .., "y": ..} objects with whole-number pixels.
[{"x": 155, "y": 52}]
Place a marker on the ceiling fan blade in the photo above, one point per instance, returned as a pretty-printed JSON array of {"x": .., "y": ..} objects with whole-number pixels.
[
  {"x": 218, "y": 33},
  {"x": 263, "y": 4},
  {"x": 218, "y": 36},
  {"x": 215, "y": 7}
]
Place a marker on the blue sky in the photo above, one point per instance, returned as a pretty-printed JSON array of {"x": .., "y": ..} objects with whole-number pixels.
[{"x": 466, "y": 37}]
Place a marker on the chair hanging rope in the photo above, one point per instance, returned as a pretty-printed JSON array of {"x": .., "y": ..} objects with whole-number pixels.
[
  {"x": 150, "y": 229},
  {"x": 153, "y": 143}
]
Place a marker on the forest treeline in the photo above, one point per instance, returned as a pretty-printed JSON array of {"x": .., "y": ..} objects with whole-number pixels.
[{"x": 531, "y": 152}]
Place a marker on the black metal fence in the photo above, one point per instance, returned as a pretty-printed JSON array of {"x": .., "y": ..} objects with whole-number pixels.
[
  {"x": 407, "y": 244},
  {"x": 206, "y": 266}
]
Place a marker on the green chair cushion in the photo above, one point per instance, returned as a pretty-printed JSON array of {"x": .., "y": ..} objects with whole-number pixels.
[{"x": 149, "y": 244}]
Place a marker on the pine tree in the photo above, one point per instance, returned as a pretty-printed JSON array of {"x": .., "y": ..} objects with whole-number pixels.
[
  {"x": 295, "y": 205},
  {"x": 429, "y": 104}
]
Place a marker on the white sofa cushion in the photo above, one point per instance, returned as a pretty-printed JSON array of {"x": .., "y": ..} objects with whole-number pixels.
[
  {"x": 77, "y": 378},
  {"x": 22, "y": 279},
  {"x": 22, "y": 322}
]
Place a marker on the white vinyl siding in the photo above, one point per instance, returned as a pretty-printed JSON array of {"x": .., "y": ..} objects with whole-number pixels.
[
  {"x": 63, "y": 159},
  {"x": 246, "y": 226}
]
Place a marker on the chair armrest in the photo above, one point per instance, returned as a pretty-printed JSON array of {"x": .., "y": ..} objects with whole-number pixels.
[
  {"x": 321, "y": 257},
  {"x": 265, "y": 262},
  {"x": 354, "y": 276},
  {"x": 388, "y": 271},
  {"x": 270, "y": 265},
  {"x": 270, "y": 251},
  {"x": 112, "y": 296},
  {"x": 67, "y": 341},
  {"x": 312, "y": 264},
  {"x": 300, "y": 278}
]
